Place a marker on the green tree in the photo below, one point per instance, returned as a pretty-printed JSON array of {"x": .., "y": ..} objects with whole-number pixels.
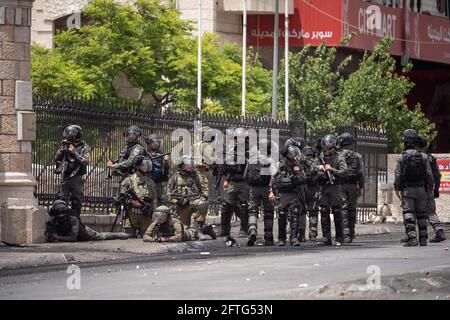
[
  {"x": 153, "y": 47},
  {"x": 374, "y": 94}
]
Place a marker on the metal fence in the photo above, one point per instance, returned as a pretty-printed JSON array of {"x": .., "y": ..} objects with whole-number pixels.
[{"x": 103, "y": 123}]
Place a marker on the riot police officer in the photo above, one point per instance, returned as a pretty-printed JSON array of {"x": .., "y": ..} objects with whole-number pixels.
[
  {"x": 288, "y": 185},
  {"x": 123, "y": 166},
  {"x": 258, "y": 174},
  {"x": 188, "y": 192},
  {"x": 72, "y": 159},
  {"x": 352, "y": 184},
  {"x": 330, "y": 168},
  {"x": 236, "y": 190},
  {"x": 413, "y": 186},
  {"x": 312, "y": 192},
  {"x": 432, "y": 215},
  {"x": 161, "y": 164}
]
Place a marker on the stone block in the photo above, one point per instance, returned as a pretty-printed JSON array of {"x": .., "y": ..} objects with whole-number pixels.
[
  {"x": 25, "y": 146},
  {"x": 7, "y": 105},
  {"x": 9, "y": 143},
  {"x": 18, "y": 18},
  {"x": 2, "y": 15},
  {"x": 26, "y": 126},
  {"x": 9, "y": 15},
  {"x": 9, "y": 70},
  {"x": 22, "y": 224},
  {"x": 22, "y": 34},
  {"x": 4, "y": 162},
  {"x": 15, "y": 51},
  {"x": 24, "y": 95},
  {"x": 25, "y": 70},
  {"x": 8, "y": 87},
  {"x": 6, "y": 33},
  {"x": 8, "y": 124},
  {"x": 20, "y": 162}
]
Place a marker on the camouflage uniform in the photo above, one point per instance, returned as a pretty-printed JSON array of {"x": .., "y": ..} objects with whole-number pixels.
[
  {"x": 172, "y": 229},
  {"x": 145, "y": 189},
  {"x": 189, "y": 183},
  {"x": 204, "y": 157},
  {"x": 124, "y": 165},
  {"x": 332, "y": 195},
  {"x": 72, "y": 185},
  {"x": 415, "y": 190},
  {"x": 350, "y": 185},
  {"x": 160, "y": 178}
]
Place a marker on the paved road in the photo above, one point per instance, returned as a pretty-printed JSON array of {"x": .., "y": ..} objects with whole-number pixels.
[{"x": 241, "y": 273}]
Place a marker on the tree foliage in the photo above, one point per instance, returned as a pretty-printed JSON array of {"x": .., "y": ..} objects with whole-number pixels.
[
  {"x": 152, "y": 46},
  {"x": 373, "y": 95}
]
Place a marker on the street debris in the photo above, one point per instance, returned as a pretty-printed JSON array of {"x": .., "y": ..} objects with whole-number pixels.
[
  {"x": 261, "y": 273},
  {"x": 303, "y": 285}
]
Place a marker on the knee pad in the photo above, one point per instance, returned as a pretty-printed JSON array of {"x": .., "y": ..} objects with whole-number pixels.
[
  {"x": 282, "y": 214},
  {"x": 408, "y": 217},
  {"x": 243, "y": 206}
]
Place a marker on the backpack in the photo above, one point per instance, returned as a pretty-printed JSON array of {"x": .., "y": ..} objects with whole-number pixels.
[
  {"x": 413, "y": 168},
  {"x": 352, "y": 162},
  {"x": 158, "y": 173},
  {"x": 254, "y": 176}
]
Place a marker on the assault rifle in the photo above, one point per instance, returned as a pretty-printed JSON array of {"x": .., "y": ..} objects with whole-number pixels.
[
  {"x": 123, "y": 200},
  {"x": 61, "y": 166},
  {"x": 189, "y": 196},
  {"x": 322, "y": 162},
  {"x": 123, "y": 174}
]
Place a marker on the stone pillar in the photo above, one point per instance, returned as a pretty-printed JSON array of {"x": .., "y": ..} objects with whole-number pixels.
[{"x": 21, "y": 221}]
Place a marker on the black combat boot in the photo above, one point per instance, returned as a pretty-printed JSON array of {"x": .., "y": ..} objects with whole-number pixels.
[
  {"x": 252, "y": 238},
  {"x": 294, "y": 242},
  {"x": 282, "y": 224},
  {"x": 268, "y": 231},
  {"x": 439, "y": 237},
  {"x": 225, "y": 221},
  {"x": 209, "y": 230},
  {"x": 301, "y": 235},
  {"x": 412, "y": 242},
  {"x": 423, "y": 241}
]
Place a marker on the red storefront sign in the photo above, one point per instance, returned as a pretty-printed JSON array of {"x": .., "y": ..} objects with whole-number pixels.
[
  {"x": 444, "y": 167},
  {"x": 325, "y": 21}
]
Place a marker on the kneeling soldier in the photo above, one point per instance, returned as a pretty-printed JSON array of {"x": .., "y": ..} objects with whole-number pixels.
[
  {"x": 189, "y": 193},
  {"x": 140, "y": 209},
  {"x": 64, "y": 226},
  {"x": 166, "y": 228}
]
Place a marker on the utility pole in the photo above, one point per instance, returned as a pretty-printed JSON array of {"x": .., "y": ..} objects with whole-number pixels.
[
  {"x": 244, "y": 56},
  {"x": 286, "y": 60},
  {"x": 275, "y": 61},
  {"x": 199, "y": 58}
]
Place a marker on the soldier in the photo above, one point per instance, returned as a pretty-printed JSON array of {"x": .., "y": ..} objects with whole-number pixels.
[
  {"x": 64, "y": 226},
  {"x": 205, "y": 153},
  {"x": 236, "y": 190},
  {"x": 166, "y": 228},
  {"x": 258, "y": 175},
  {"x": 139, "y": 211},
  {"x": 189, "y": 193},
  {"x": 300, "y": 143},
  {"x": 72, "y": 159},
  {"x": 161, "y": 164},
  {"x": 288, "y": 185},
  {"x": 413, "y": 186},
  {"x": 123, "y": 166},
  {"x": 312, "y": 193},
  {"x": 330, "y": 167},
  {"x": 352, "y": 184},
  {"x": 432, "y": 216}
]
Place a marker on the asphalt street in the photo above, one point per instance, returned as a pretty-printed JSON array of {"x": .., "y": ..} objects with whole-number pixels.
[{"x": 308, "y": 272}]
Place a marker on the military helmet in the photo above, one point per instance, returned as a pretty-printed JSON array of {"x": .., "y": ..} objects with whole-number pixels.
[
  {"x": 207, "y": 134},
  {"x": 59, "y": 206},
  {"x": 153, "y": 137},
  {"x": 134, "y": 129},
  {"x": 72, "y": 132},
  {"x": 346, "y": 139},
  {"x": 329, "y": 141},
  {"x": 410, "y": 136},
  {"x": 299, "y": 142},
  {"x": 143, "y": 162},
  {"x": 293, "y": 152},
  {"x": 241, "y": 134},
  {"x": 161, "y": 214},
  {"x": 309, "y": 151},
  {"x": 187, "y": 160}
]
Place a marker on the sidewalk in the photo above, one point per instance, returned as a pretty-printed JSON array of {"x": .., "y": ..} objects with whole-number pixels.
[{"x": 106, "y": 252}]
